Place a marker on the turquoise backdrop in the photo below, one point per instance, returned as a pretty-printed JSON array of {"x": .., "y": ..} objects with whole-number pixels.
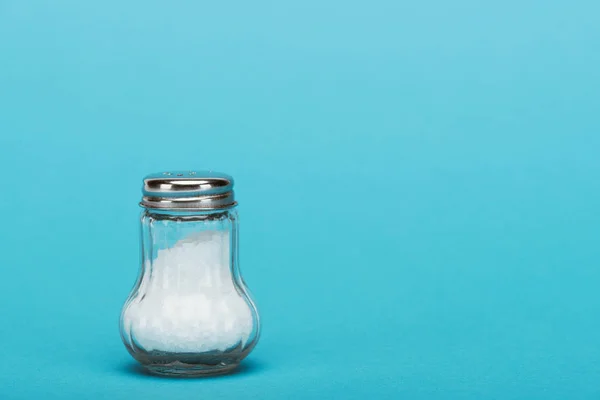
[{"x": 418, "y": 184}]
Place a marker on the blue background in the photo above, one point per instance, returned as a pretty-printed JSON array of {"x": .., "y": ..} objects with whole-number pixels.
[{"x": 418, "y": 185}]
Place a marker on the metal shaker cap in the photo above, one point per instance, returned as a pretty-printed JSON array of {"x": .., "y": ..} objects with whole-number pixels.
[{"x": 188, "y": 190}]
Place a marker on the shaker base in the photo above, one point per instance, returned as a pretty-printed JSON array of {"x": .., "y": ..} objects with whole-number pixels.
[{"x": 179, "y": 369}]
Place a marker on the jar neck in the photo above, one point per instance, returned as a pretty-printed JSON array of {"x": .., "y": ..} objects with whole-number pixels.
[{"x": 164, "y": 213}]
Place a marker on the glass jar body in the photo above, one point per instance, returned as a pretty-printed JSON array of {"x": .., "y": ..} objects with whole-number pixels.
[{"x": 190, "y": 312}]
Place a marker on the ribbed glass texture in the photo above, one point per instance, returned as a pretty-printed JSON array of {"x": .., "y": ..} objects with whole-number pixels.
[{"x": 190, "y": 312}]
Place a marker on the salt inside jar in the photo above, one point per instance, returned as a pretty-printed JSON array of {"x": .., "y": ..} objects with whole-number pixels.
[{"x": 190, "y": 312}]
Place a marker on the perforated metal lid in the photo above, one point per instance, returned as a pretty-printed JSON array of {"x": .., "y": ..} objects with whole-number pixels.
[{"x": 188, "y": 190}]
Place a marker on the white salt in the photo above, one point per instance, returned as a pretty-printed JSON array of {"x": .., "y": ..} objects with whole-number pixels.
[{"x": 187, "y": 301}]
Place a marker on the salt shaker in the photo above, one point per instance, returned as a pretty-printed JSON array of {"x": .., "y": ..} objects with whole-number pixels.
[{"x": 190, "y": 312}]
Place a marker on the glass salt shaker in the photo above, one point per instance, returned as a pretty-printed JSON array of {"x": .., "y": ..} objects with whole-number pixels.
[{"x": 189, "y": 313}]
